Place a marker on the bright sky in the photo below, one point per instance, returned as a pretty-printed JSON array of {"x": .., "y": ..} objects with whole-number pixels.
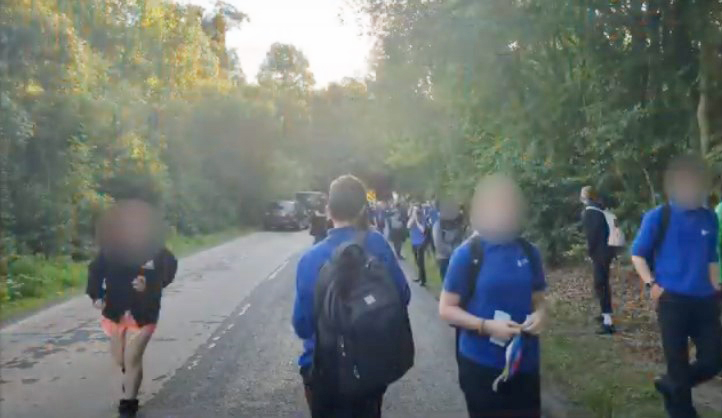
[{"x": 326, "y": 31}]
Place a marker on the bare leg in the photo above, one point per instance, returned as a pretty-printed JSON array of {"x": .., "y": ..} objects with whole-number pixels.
[
  {"x": 134, "y": 349},
  {"x": 117, "y": 348}
]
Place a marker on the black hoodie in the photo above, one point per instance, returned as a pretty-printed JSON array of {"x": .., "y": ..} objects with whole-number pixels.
[
  {"x": 597, "y": 233},
  {"x": 120, "y": 296}
]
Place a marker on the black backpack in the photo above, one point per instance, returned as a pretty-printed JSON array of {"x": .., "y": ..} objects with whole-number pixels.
[
  {"x": 363, "y": 334},
  {"x": 477, "y": 260}
]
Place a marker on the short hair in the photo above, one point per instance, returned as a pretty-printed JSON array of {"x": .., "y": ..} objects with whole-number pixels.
[
  {"x": 589, "y": 192},
  {"x": 346, "y": 198},
  {"x": 689, "y": 163}
]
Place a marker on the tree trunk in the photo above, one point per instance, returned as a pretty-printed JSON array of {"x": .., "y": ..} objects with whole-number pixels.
[{"x": 702, "y": 107}]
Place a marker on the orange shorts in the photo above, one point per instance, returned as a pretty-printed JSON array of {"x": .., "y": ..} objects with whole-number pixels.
[{"x": 126, "y": 323}]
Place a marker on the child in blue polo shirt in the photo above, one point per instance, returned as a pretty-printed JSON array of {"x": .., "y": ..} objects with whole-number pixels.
[
  {"x": 347, "y": 208},
  {"x": 493, "y": 299},
  {"x": 417, "y": 233},
  {"x": 679, "y": 240}
]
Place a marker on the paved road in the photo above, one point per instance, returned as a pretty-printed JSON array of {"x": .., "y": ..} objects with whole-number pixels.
[{"x": 224, "y": 347}]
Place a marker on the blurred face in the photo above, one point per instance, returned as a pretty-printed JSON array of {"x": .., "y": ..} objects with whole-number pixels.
[
  {"x": 131, "y": 231},
  {"x": 498, "y": 209},
  {"x": 686, "y": 188}
]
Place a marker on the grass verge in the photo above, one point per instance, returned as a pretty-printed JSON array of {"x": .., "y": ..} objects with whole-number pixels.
[
  {"x": 610, "y": 376},
  {"x": 32, "y": 282}
]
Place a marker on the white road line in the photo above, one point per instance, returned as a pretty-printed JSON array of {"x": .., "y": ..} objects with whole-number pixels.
[
  {"x": 277, "y": 270},
  {"x": 244, "y": 309},
  {"x": 212, "y": 345},
  {"x": 229, "y": 327}
]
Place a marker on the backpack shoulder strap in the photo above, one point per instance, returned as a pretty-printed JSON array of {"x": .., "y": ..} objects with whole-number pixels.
[
  {"x": 663, "y": 226},
  {"x": 477, "y": 259}
]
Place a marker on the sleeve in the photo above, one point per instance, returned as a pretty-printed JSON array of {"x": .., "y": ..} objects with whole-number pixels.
[
  {"x": 303, "y": 305},
  {"x": 388, "y": 257},
  {"x": 644, "y": 241},
  {"x": 95, "y": 278},
  {"x": 538, "y": 280},
  {"x": 457, "y": 274},
  {"x": 713, "y": 239},
  {"x": 170, "y": 267}
]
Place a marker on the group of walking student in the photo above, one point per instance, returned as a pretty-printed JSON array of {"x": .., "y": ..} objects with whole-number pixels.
[
  {"x": 351, "y": 305},
  {"x": 352, "y": 296}
]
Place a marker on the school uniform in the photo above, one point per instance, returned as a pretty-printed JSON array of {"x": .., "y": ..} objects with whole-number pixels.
[
  {"x": 597, "y": 234},
  {"x": 303, "y": 320},
  {"x": 505, "y": 283},
  {"x": 417, "y": 234},
  {"x": 688, "y": 308}
]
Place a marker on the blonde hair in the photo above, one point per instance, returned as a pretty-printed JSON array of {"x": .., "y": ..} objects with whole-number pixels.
[{"x": 589, "y": 192}]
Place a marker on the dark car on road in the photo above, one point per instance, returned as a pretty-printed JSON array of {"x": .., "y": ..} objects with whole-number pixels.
[{"x": 285, "y": 214}]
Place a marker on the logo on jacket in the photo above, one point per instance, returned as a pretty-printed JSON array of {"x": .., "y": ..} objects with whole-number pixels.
[
  {"x": 149, "y": 265},
  {"x": 522, "y": 262},
  {"x": 705, "y": 232}
]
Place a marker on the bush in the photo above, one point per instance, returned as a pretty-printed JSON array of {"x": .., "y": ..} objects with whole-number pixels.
[{"x": 36, "y": 276}]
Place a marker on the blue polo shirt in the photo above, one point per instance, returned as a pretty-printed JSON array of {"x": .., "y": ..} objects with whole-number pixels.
[
  {"x": 505, "y": 282},
  {"x": 307, "y": 273},
  {"x": 681, "y": 264},
  {"x": 417, "y": 235}
]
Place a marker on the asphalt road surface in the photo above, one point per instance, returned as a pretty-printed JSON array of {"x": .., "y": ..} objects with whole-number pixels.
[{"x": 224, "y": 347}]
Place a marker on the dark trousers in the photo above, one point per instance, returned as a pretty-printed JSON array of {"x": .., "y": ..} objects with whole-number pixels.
[
  {"x": 519, "y": 397},
  {"x": 397, "y": 247},
  {"x": 419, "y": 257},
  {"x": 680, "y": 318},
  {"x": 443, "y": 266},
  {"x": 323, "y": 405},
  {"x": 601, "y": 284}
]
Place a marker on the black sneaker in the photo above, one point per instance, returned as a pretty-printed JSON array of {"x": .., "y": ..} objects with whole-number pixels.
[
  {"x": 674, "y": 409},
  {"x": 662, "y": 385},
  {"x": 128, "y": 408},
  {"x": 606, "y": 330}
]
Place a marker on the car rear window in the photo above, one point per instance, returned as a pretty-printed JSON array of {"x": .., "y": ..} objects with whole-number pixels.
[{"x": 284, "y": 205}]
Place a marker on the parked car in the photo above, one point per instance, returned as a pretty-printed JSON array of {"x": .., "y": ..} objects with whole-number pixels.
[
  {"x": 285, "y": 214},
  {"x": 312, "y": 201}
]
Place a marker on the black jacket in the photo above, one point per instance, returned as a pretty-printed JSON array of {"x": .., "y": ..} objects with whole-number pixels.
[
  {"x": 119, "y": 294},
  {"x": 597, "y": 233}
]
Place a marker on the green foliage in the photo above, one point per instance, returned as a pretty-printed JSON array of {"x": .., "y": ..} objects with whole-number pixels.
[
  {"x": 36, "y": 276},
  {"x": 108, "y": 99},
  {"x": 560, "y": 94}
]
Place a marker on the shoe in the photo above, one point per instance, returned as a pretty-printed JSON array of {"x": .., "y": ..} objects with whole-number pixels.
[
  {"x": 606, "y": 330},
  {"x": 662, "y": 385},
  {"x": 128, "y": 408},
  {"x": 674, "y": 408}
]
